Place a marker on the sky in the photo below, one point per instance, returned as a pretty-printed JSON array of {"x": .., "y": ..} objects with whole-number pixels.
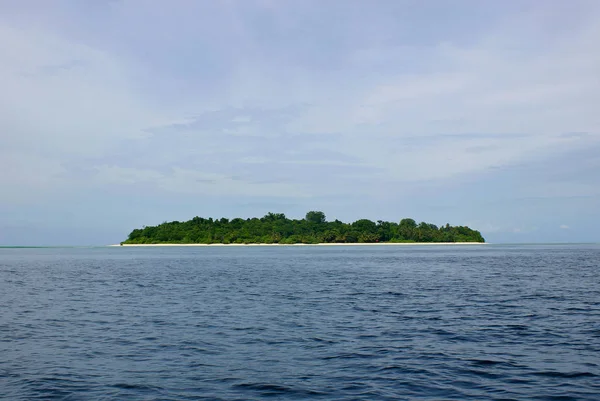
[{"x": 124, "y": 113}]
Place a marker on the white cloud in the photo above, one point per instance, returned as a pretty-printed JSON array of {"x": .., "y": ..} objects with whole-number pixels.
[
  {"x": 184, "y": 181},
  {"x": 23, "y": 176},
  {"x": 524, "y": 229},
  {"x": 65, "y": 100},
  {"x": 62, "y": 96},
  {"x": 564, "y": 227},
  {"x": 497, "y": 86}
]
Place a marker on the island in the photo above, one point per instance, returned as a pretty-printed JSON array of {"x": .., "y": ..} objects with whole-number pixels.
[{"x": 276, "y": 228}]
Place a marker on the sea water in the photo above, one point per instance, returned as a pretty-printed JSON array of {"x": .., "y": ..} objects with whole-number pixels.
[{"x": 479, "y": 322}]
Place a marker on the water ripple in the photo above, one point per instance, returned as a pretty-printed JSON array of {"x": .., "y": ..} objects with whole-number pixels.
[{"x": 368, "y": 323}]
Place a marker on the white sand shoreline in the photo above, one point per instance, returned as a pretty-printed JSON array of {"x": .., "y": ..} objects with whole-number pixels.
[{"x": 321, "y": 244}]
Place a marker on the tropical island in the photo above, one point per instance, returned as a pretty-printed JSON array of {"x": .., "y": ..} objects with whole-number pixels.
[{"x": 276, "y": 228}]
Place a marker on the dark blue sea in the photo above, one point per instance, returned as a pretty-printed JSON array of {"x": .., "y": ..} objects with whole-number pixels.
[{"x": 482, "y": 322}]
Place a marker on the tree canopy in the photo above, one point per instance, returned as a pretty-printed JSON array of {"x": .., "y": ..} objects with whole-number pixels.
[{"x": 314, "y": 228}]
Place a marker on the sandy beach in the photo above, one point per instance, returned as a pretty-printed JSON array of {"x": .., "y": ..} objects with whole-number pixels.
[{"x": 322, "y": 244}]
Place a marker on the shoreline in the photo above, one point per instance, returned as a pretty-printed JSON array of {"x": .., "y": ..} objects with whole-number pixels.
[{"x": 320, "y": 244}]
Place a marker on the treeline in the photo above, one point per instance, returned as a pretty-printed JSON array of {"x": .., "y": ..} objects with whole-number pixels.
[{"x": 313, "y": 229}]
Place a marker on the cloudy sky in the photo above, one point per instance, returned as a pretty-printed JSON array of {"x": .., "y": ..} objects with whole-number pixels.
[{"x": 118, "y": 114}]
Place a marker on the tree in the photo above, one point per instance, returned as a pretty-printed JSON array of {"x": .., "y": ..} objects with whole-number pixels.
[
  {"x": 315, "y": 217},
  {"x": 351, "y": 237},
  {"x": 407, "y": 223},
  {"x": 276, "y": 227},
  {"x": 329, "y": 236},
  {"x": 365, "y": 225},
  {"x": 407, "y": 230}
]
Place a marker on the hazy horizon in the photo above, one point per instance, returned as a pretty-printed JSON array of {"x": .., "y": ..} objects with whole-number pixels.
[{"x": 301, "y": 245}]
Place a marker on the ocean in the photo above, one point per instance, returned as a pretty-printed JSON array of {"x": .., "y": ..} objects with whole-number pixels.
[{"x": 477, "y": 322}]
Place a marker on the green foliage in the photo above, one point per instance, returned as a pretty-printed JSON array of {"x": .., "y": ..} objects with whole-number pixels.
[
  {"x": 315, "y": 217},
  {"x": 278, "y": 229}
]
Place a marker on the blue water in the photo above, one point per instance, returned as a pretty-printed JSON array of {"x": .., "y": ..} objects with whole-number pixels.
[{"x": 301, "y": 323}]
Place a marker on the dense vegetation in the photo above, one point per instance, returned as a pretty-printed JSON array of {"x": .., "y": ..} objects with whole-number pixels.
[{"x": 276, "y": 228}]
